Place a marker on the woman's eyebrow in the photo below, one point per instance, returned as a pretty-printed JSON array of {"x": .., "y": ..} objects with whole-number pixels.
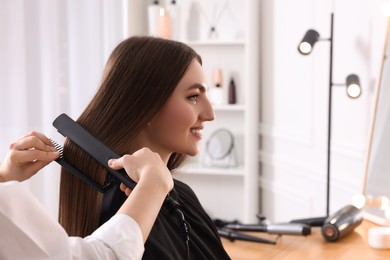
[{"x": 197, "y": 86}]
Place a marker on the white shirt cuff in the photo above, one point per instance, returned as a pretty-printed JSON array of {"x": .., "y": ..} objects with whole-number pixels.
[{"x": 123, "y": 235}]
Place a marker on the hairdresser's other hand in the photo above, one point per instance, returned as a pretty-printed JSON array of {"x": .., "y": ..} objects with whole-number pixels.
[
  {"x": 145, "y": 167},
  {"x": 154, "y": 182},
  {"x": 26, "y": 156}
]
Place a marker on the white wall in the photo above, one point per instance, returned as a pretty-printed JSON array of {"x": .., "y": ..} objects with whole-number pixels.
[
  {"x": 51, "y": 58},
  {"x": 294, "y": 103}
]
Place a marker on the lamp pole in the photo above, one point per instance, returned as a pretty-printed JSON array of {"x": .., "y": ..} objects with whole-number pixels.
[
  {"x": 353, "y": 90},
  {"x": 329, "y": 115}
]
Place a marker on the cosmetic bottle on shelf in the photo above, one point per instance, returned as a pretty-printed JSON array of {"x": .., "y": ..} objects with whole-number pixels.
[
  {"x": 164, "y": 24},
  {"x": 232, "y": 92},
  {"x": 153, "y": 15},
  {"x": 174, "y": 13},
  {"x": 216, "y": 93}
]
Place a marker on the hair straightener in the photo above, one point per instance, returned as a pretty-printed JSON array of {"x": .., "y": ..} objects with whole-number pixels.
[{"x": 100, "y": 152}]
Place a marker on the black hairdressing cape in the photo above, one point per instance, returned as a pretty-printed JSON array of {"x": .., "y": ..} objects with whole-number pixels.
[{"x": 166, "y": 239}]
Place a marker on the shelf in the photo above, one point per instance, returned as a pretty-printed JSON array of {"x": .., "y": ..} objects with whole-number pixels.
[
  {"x": 196, "y": 169},
  {"x": 238, "y": 108},
  {"x": 216, "y": 43}
]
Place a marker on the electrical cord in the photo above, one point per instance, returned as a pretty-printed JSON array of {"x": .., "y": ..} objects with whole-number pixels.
[{"x": 174, "y": 206}]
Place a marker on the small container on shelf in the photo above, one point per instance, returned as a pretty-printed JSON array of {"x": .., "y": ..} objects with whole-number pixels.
[
  {"x": 216, "y": 92},
  {"x": 174, "y": 13}
]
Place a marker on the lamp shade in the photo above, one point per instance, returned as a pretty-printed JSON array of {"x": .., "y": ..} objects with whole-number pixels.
[
  {"x": 354, "y": 89},
  {"x": 306, "y": 45}
]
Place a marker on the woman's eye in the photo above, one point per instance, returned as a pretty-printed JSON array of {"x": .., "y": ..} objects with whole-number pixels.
[{"x": 193, "y": 97}]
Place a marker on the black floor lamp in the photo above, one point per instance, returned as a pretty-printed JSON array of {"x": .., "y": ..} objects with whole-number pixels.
[{"x": 352, "y": 85}]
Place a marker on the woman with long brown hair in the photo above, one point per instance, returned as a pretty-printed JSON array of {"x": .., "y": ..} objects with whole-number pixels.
[{"x": 153, "y": 94}]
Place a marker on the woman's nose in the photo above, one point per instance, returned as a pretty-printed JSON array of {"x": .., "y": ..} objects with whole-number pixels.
[{"x": 207, "y": 113}]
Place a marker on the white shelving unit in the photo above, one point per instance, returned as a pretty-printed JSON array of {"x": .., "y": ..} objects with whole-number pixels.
[
  {"x": 231, "y": 193},
  {"x": 227, "y": 192}
]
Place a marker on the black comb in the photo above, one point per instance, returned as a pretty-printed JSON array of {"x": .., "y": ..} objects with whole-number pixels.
[
  {"x": 100, "y": 152},
  {"x": 70, "y": 168}
]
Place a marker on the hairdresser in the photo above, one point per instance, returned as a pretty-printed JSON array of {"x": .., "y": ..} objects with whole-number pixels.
[{"x": 28, "y": 231}]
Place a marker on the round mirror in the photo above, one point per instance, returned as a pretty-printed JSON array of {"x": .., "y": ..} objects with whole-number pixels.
[{"x": 219, "y": 148}]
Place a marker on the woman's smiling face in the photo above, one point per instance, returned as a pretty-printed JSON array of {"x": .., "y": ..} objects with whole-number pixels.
[{"x": 177, "y": 128}]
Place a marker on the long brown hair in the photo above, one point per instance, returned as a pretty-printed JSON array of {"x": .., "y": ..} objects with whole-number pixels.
[{"x": 140, "y": 75}]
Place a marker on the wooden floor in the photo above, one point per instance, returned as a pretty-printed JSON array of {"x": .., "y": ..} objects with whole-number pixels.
[{"x": 353, "y": 246}]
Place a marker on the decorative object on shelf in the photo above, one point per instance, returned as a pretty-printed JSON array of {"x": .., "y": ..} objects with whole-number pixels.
[
  {"x": 153, "y": 14},
  {"x": 213, "y": 35},
  {"x": 214, "y": 19},
  {"x": 174, "y": 13},
  {"x": 232, "y": 92},
  {"x": 352, "y": 84},
  {"x": 220, "y": 149},
  {"x": 216, "y": 93},
  {"x": 164, "y": 24}
]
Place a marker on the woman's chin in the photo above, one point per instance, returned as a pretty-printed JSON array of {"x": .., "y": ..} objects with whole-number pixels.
[{"x": 193, "y": 152}]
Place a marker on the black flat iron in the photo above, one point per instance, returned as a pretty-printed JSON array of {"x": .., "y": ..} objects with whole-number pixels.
[
  {"x": 100, "y": 152},
  {"x": 113, "y": 197}
]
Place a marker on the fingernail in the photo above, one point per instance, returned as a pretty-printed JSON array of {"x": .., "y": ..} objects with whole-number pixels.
[
  {"x": 111, "y": 162},
  {"x": 52, "y": 149}
]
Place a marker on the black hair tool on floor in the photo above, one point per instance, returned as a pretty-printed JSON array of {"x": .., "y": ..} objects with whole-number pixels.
[{"x": 100, "y": 152}]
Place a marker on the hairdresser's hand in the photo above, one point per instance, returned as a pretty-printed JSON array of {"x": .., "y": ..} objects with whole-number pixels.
[
  {"x": 146, "y": 168},
  {"x": 26, "y": 156},
  {"x": 154, "y": 182}
]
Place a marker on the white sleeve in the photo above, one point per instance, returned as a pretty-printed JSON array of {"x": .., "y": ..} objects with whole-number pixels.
[
  {"x": 121, "y": 234},
  {"x": 28, "y": 231}
]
